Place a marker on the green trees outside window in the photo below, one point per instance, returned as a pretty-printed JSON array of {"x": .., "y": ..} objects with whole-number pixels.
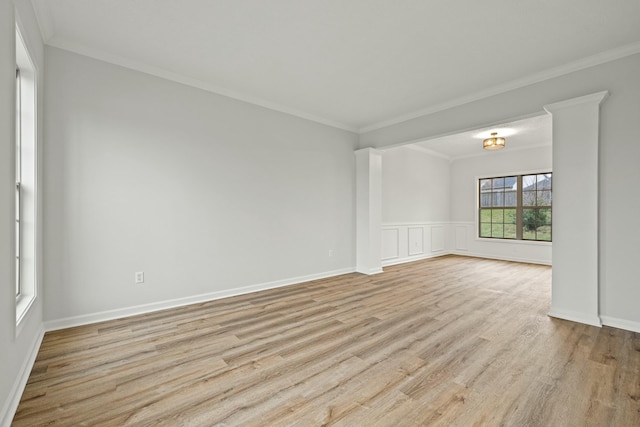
[{"x": 516, "y": 207}]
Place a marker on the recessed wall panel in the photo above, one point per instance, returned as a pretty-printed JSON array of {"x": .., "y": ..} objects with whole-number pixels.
[
  {"x": 437, "y": 238},
  {"x": 416, "y": 240},
  {"x": 390, "y": 246}
]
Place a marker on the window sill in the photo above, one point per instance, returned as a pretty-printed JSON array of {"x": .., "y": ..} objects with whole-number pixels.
[
  {"x": 517, "y": 242},
  {"x": 23, "y": 304}
]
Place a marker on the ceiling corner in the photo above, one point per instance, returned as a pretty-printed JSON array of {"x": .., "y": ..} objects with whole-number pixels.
[{"x": 44, "y": 18}]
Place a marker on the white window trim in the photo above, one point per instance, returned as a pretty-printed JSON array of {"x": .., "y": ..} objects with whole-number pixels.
[
  {"x": 512, "y": 241},
  {"x": 29, "y": 100}
]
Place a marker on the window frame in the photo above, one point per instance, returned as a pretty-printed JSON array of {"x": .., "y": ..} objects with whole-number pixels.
[
  {"x": 18, "y": 179},
  {"x": 519, "y": 208},
  {"x": 25, "y": 156}
]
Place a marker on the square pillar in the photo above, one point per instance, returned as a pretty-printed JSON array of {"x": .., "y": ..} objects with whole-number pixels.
[
  {"x": 574, "y": 294},
  {"x": 368, "y": 211}
]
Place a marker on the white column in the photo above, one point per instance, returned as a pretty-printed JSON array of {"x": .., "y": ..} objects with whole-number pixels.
[
  {"x": 368, "y": 211},
  {"x": 575, "y": 209}
]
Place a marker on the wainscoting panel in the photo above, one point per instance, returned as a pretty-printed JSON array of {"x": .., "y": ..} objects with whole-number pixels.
[
  {"x": 413, "y": 241},
  {"x": 390, "y": 243},
  {"x": 416, "y": 240},
  {"x": 461, "y": 238},
  {"x": 406, "y": 242},
  {"x": 467, "y": 243},
  {"x": 437, "y": 238}
]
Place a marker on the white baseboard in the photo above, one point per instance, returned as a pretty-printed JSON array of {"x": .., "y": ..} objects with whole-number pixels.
[
  {"x": 500, "y": 258},
  {"x": 86, "y": 319},
  {"x": 575, "y": 316},
  {"x": 11, "y": 405},
  {"x": 395, "y": 261},
  {"x": 627, "y": 325},
  {"x": 368, "y": 271}
]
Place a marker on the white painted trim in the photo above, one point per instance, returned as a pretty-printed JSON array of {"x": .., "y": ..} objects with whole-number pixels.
[
  {"x": 47, "y": 29},
  {"x": 368, "y": 198},
  {"x": 575, "y": 316},
  {"x": 448, "y": 248},
  {"x": 370, "y": 272},
  {"x": 581, "y": 64},
  {"x": 11, "y": 405},
  {"x": 391, "y": 225},
  {"x": 595, "y": 98},
  {"x": 457, "y": 228},
  {"x": 500, "y": 174},
  {"x": 442, "y": 247},
  {"x": 627, "y": 325},
  {"x": 85, "y": 319},
  {"x": 396, "y": 261},
  {"x": 513, "y": 241},
  {"x": 397, "y": 245},
  {"x": 189, "y": 81},
  {"x": 500, "y": 258},
  {"x": 369, "y": 150},
  {"x": 23, "y": 310},
  {"x": 404, "y": 252},
  {"x": 474, "y": 236},
  {"x": 410, "y": 252},
  {"x": 25, "y": 61}
]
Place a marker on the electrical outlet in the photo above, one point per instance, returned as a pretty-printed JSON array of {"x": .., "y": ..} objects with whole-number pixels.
[
  {"x": 330, "y": 252},
  {"x": 140, "y": 277}
]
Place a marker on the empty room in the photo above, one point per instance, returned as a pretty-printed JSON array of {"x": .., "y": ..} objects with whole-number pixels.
[{"x": 313, "y": 213}]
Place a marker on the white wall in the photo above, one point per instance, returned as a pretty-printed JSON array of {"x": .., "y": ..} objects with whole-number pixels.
[
  {"x": 205, "y": 194},
  {"x": 415, "y": 205},
  {"x": 429, "y": 204},
  {"x": 464, "y": 188},
  {"x": 17, "y": 347},
  {"x": 619, "y": 155},
  {"x": 415, "y": 186}
]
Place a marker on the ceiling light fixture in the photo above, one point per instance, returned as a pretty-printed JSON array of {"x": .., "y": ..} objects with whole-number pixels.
[{"x": 493, "y": 143}]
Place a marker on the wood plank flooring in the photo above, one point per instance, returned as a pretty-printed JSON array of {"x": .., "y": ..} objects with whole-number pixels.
[{"x": 450, "y": 341}]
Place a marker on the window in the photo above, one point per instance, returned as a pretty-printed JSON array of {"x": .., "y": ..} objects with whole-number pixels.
[
  {"x": 515, "y": 207},
  {"x": 25, "y": 179},
  {"x": 18, "y": 179}
]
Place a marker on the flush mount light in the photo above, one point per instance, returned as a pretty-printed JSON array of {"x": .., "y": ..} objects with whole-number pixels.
[{"x": 493, "y": 143}]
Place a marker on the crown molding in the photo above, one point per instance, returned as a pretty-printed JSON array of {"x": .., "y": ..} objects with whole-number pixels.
[
  {"x": 45, "y": 21},
  {"x": 179, "y": 78},
  {"x": 581, "y": 64},
  {"x": 595, "y": 98}
]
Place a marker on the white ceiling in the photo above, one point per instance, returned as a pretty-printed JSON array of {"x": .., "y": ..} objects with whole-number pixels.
[
  {"x": 519, "y": 135},
  {"x": 355, "y": 64}
]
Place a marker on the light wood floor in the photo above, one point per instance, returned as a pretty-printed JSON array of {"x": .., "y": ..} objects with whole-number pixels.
[{"x": 450, "y": 341}]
